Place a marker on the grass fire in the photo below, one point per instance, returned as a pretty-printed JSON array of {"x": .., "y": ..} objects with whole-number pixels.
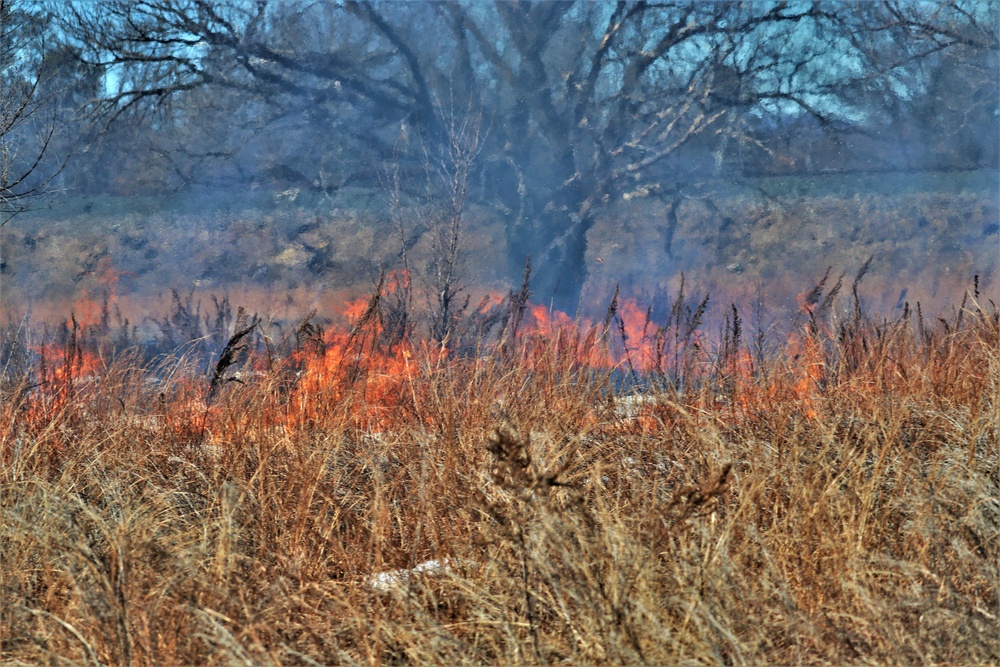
[
  {"x": 369, "y": 332},
  {"x": 534, "y": 489}
]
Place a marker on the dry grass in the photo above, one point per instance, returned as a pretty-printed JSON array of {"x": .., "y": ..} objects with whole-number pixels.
[{"x": 838, "y": 506}]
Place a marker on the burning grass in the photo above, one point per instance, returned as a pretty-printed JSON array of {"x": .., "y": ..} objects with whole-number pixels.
[{"x": 573, "y": 492}]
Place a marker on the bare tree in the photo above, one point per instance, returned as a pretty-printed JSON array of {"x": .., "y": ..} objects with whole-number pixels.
[
  {"x": 27, "y": 120},
  {"x": 449, "y": 178},
  {"x": 588, "y": 103},
  {"x": 926, "y": 77}
]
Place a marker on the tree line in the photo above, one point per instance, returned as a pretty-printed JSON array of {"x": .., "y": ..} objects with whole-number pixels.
[{"x": 574, "y": 105}]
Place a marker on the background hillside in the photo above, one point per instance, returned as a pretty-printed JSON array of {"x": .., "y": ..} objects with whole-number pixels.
[{"x": 928, "y": 239}]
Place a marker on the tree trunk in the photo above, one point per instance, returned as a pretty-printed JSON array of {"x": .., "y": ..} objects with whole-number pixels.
[{"x": 557, "y": 246}]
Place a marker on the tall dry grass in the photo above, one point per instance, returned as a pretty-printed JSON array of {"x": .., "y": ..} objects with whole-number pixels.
[{"x": 833, "y": 503}]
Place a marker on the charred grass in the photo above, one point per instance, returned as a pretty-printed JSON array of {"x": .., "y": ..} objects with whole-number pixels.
[{"x": 829, "y": 502}]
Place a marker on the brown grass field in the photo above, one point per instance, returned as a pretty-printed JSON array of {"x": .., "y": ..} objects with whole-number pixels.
[{"x": 589, "y": 493}]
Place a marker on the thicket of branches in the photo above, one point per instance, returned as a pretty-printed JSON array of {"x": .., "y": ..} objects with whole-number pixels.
[{"x": 586, "y": 103}]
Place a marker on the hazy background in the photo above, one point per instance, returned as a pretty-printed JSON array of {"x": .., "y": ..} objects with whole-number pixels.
[{"x": 287, "y": 152}]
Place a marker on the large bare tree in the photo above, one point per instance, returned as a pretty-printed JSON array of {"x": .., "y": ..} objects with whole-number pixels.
[{"x": 587, "y": 103}]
